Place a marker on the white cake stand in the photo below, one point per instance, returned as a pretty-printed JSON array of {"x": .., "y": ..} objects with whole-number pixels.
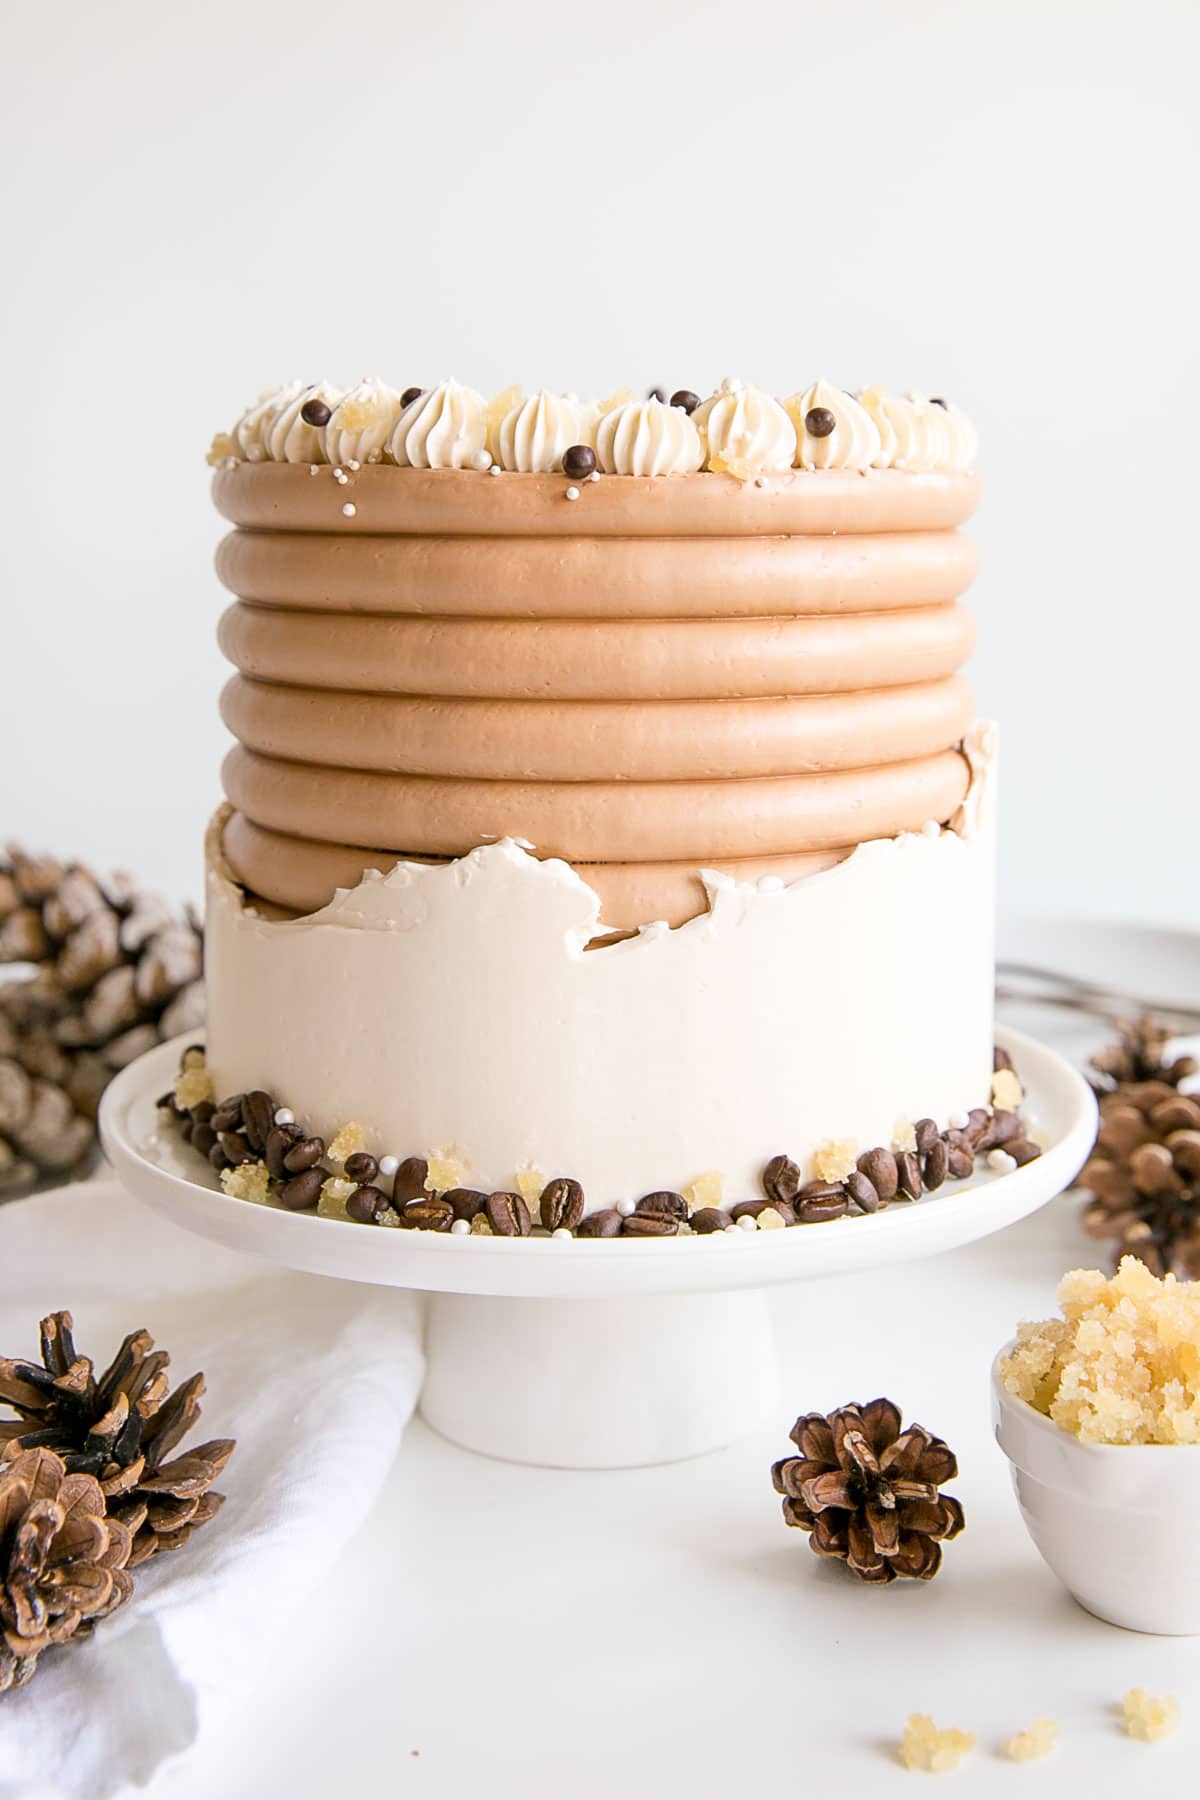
[{"x": 606, "y": 1352}]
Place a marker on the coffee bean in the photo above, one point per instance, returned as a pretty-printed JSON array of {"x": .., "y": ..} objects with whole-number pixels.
[
  {"x": 781, "y": 1179},
  {"x": 410, "y": 1180},
  {"x": 279, "y": 1142},
  {"x": 361, "y": 1166},
  {"x": 1023, "y": 1150},
  {"x": 927, "y": 1134},
  {"x": 465, "y": 1202},
  {"x": 304, "y": 1190},
  {"x": 750, "y": 1209},
  {"x": 712, "y": 1218},
  {"x": 228, "y": 1115},
  {"x": 303, "y": 1155},
  {"x": 166, "y": 1103},
  {"x": 561, "y": 1205},
  {"x": 508, "y": 1215},
  {"x": 258, "y": 1118},
  {"x": 1000, "y": 1057},
  {"x": 999, "y": 1130},
  {"x": 936, "y": 1165},
  {"x": 202, "y": 1137},
  {"x": 685, "y": 400},
  {"x": 960, "y": 1164},
  {"x": 819, "y": 422},
  {"x": 579, "y": 461},
  {"x": 601, "y": 1224},
  {"x": 316, "y": 412},
  {"x": 235, "y": 1148},
  {"x": 432, "y": 1214},
  {"x": 410, "y": 394},
  {"x": 978, "y": 1120},
  {"x": 663, "y": 1204},
  {"x": 821, "y": 1200},
  {"x": 364, "y": 1203},
  {"x": 650, "y": 1224},
  {"x": 202, "y": 1112},
  {"x": 217, "y": 1157},
  {"x": 908, "y": 1176},
  {"x": 862, "y": 1192},
  {"x": 879, "y": 1167}
]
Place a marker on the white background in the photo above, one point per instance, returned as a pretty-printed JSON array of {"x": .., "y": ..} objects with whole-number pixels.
[{"x": 995, "y": 201}]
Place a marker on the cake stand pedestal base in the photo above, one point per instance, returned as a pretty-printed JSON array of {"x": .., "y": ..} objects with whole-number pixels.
[{"x": 598, "y": 1384}]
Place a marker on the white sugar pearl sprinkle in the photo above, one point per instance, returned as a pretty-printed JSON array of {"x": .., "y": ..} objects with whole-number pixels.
[
  {"x": 562, "y": 1232},
  {"x": 351, "y": 464},
  {"x": 284, "y": 1116},
  {"x": 958, "y": 1121},
  {"x": 1001, "y": 1162},
  {"x": 595, "y": 475},
  {"x": 480, "y": 459},
  {"x": 726, "y": 1229},
  {"x": 495, "y": 469},
  {"x": 461, "y": 1228},
  {"x": 747, "y": 1222},
  {"x": 572, "y": 493},
  {"x": 349, "y": 509},
  {"x": 388, "y": 1165},
  {"x": 626, "y": 1208}
]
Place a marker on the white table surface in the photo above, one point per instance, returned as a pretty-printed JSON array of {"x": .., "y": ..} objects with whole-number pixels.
[{"x": 505, "y": 1631}]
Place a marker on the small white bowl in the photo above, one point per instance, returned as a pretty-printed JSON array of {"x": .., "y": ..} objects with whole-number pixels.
[{"x": 1117, "y": 1523}]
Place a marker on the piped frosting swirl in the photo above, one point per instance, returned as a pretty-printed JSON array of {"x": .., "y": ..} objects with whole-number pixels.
[
  {"x": 833, "y": 431},
  {"x": 361, "y": 427},
  {"x": 745, "y": 431},
  {"x": 443, "y": 428},
  {"x": 531, "y": 437},
  {"x": 648, "y": 438},
  {"x": 289, "y": 437}
]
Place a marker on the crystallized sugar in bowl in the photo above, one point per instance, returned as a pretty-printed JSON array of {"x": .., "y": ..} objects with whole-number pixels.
[{"x": 1099, "y": 1414}]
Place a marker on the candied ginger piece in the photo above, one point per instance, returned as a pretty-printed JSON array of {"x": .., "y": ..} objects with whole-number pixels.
[
  {"x": 1122, "y": 1366},
  {"x": 925, "y": 1746},
  {"x": 1039, "y": 1739},
  {"x": 836, "y": 1159},
  {"x": 333, "y": 1197},
  {"x": 249, "y": 1181},
  {"x": 221, "y": 450},
  {"x": 904, "y": 1136},
  {"x": 347, "y": 1142},
  {"x": 193, "y": 1085},
  {"x": 707, "y": 1190},
  {"x": 1007, "y": 1091},
  {"x": 1147, "y": 1717},
  {"x": 530, "y": 1182},
  {"x": 446, "y": 1170}
]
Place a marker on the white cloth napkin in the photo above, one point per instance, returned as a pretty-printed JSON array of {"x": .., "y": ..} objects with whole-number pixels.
[{"x": 315, "y": 1379}]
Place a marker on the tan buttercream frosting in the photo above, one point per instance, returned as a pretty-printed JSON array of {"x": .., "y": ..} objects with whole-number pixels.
[{"x": 681, "y": 670}]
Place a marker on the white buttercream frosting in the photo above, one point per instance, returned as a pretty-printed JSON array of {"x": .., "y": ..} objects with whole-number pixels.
[
  {"x": 253, "y": 428},
  {"x": 531, "y": 437},
  {"x": 899, "y": 429},
  {"x": 289, "y": 438},
  {"x": 443, "y": 428},
  {"x": 666, "y": 1025},
  {"x": 961, "y": 439},
  {"x": 646, "y": 437},
  {"x": 854, "y": 442},
  {"x": 363, "y": 422},
  {"x": 745, "y": 430}
]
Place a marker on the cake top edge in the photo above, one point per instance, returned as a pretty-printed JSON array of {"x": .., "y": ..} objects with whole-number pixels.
[{"x": 738, "y": 430}]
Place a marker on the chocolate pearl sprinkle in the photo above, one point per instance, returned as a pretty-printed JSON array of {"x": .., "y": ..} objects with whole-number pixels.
[
  {"x": 315, "y": 412},
  {"x": 685, "y": 400},
  {"x": 410, "y": 394},
  {"x": 936, "y": 400},
  {"x": 656, "y": 393},
  {"x": 579, "y": 461},
  {"x": 819, "y": 422}
]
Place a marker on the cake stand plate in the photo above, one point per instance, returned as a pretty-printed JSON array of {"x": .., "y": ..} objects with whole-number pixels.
[{"x": 603, "y": 1352}]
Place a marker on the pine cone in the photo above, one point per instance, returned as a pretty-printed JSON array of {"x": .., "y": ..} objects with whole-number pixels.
[
  {"x": 118, "y": 1429},
  {"x": 114, "y": 972},
  {"x": 1144, "y": 1177},
  {"x": 1140, "y": 1054},
  {"x": 868, "y": 1492},
  {"x": 63, "y": 1562}
]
